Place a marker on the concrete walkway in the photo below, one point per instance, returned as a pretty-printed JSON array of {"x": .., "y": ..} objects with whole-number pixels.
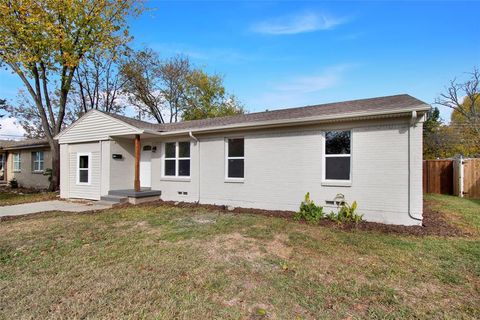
[{"x": 55, "y": 205}]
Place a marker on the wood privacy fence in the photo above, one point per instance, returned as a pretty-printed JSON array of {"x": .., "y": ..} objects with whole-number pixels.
[
  {"x": 438, "y": 176},
  {"x": 460, "y": 177}
]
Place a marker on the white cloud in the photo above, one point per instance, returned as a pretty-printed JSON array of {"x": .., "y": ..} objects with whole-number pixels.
[
  {"x": 299, "y": 23},
  {"x": 10, "y": 129},
  {"x": 301, "y": 89},
  {"x": 203, "y": 54}
]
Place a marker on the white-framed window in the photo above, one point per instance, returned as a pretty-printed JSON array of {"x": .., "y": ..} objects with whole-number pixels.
[
  {"x": 17, "y": 162},
  {"x": 84, "y": 164},
  {"x": 337, "y": 156},
  {"x": 235, "y": 159},
  {"x": 37, "y": 161},
  {"x": 177, "y": 159}
]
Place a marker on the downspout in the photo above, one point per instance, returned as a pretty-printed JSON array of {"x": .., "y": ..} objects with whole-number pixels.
[
  {"x": 198, "y": 156},
  {"x": 413, "y": 122}
]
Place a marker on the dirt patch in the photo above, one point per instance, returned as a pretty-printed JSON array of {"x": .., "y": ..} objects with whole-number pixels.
[{"x": 236, "y": 245}]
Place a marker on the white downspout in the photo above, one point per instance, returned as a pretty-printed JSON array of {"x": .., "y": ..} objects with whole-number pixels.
[
  {"x": 413, "y": 122},
  {"x": 198, "y": 157}
]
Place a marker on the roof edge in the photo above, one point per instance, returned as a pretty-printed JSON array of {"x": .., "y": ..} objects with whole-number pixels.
[{"x": 303, "y": 120}]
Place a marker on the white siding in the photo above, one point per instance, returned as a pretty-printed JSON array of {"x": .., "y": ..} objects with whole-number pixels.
[
  {"x": 122, "y": 170},
  {"x": 105, "y": 167},
  {"x": 64, "y": 171},
  {"x": 91, "y": 191},
  {"x": 95, "y": 126}
]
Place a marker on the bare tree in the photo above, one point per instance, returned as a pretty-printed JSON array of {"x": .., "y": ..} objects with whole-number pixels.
[
  {"x": 174, "y": 74},
  {"x": 172, "y": 89},
  {"x": 142, "y": 83},
  {"x": 464, "y": 99},
  {"x": 97, "y": 82}
]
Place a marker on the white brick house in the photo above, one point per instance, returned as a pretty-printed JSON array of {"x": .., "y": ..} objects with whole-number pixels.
[{"x": 368, "y": 150}]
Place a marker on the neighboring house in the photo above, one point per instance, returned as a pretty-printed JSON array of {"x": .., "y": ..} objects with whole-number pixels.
[
  {"x": 367, "y": 150},
  {"x": 25, "y": 161}
]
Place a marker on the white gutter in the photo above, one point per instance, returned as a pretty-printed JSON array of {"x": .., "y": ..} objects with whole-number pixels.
[
  {"x": 303, "y": 120},
  {"x": 410, "y": 176},
  {"x": 198, "y": 160}
]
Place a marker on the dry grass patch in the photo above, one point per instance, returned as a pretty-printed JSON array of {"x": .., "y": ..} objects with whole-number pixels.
[{"x": 10, "y": 197}]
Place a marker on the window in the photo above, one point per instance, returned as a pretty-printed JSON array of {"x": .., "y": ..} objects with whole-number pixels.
[
  {"x": 83, "y": 168},
  {"x": 17, "y": 162},
  {"x": 235, "y": 158},
  {"x": 337, "y": 157},
  {"x": 177, "y": 159},
  {"x": 37, "y": 161}
]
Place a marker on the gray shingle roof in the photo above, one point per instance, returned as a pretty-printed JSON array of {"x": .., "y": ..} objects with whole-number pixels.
[
  {"x": 12, "y": 144},
  {"x": 387, "y": 104}
]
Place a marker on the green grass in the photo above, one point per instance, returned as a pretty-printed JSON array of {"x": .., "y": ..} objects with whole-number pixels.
[
  {"x": 463, "y": 212},
  {"x": 8, "y": 197},
  {"x": 169, "y": 262}
]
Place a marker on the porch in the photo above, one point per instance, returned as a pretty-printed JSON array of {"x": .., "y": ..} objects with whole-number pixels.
[{"x": 141, "y": 191}]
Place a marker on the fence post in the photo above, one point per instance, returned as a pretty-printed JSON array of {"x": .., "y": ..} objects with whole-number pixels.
[{"x": 460, "y": 177}]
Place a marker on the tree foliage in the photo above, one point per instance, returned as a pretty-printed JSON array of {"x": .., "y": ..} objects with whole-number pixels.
[
  {"x": 173, "y": 89},
  {"x": 206, "y": 98},
  {"x": 44, "y": 42},
  {"x": 464, "y": 99},
  {"x": 462, "y": 135}
]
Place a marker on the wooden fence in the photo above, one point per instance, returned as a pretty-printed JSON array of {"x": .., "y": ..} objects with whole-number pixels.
[
  {"x": 471, "y": 178},
  {"x": 438, "y": 176},
  {"x": 459, "y": 177}
]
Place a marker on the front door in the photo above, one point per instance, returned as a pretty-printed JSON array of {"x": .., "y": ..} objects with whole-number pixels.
[{"x": 146, "y": 167}]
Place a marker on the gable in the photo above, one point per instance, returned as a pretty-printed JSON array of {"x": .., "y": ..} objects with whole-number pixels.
[{"x": 95, "y": 126}]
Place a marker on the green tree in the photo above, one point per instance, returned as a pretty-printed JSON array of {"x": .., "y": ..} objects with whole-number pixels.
[
  {"x": 44, "y": 42},
  {"x": 206, "y": 98}
]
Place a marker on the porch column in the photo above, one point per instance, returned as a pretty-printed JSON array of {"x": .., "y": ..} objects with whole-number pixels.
[{"x": 136, "y": 181}]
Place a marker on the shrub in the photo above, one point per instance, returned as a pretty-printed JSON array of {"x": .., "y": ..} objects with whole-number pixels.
[
  {"x": 309, "y": 211},
  {"x": 13, "y": 183},
  {"x": 346, "y": 213}
]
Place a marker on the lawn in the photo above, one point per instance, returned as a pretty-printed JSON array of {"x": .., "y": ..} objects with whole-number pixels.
[
  {"x": 192, "y": 263},
  {"x": 10, "y": 197}
]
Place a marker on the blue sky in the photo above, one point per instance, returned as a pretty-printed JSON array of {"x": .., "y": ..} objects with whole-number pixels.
[{"x": 284, "y": 54}]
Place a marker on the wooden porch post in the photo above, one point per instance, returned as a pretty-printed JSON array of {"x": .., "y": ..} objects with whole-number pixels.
[{"x": 137, "y": 164}]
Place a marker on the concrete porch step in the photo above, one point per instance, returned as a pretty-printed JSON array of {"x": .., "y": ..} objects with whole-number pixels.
[{"x": 114, "y": 199}]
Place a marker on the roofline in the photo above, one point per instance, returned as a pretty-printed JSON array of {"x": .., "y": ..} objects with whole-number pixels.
[
  {"x": 301, "y": 120},
  {"x": 29, "y": 146},
  {"x": 58, "y": 136}
]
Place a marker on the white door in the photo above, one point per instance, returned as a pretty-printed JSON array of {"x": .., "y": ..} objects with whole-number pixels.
[{"x": 146, "y": 167}]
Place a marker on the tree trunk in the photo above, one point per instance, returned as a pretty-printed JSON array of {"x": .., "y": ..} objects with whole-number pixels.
[{"x": 55, "y": 150}]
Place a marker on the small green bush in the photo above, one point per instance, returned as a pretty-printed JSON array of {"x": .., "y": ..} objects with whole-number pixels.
[
  {"x": 346, "y": 214},
  {"x": 309, "y": 211}
]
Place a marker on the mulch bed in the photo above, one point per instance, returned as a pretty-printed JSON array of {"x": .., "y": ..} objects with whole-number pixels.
[{"x": 434, "y": 222}]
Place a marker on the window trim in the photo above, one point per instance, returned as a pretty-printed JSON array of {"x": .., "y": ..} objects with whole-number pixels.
[
  {"x": 89, "y": 155},
  {"x": 34, "y": 170},
  {"x": 177, "y": 159},
  {"x": 226, "y": 158},
  {"x": 18, "y": 161},
  {"x": 336, "y": 182}
]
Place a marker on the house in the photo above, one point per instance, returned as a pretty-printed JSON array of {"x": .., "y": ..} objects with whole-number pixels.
[
  {"x": 366, "y": 150},
  {"x": 25, "y": 161}
]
